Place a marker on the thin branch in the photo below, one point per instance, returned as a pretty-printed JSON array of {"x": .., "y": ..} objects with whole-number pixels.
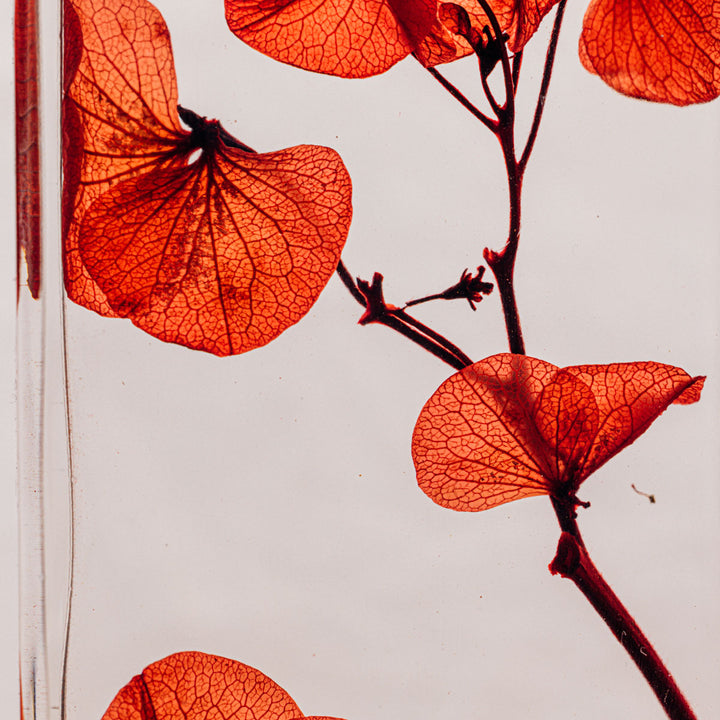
[
  {"x": 349, "y": 283},
  {"x": 484, "y": 119},
  {"x": 377, "y": 311},
  {"x": 516, "y": 65},
  {"x": 544, "y": 85},
  {"x": 490, "y": 97},
  {"x": 451, "y": 347}
]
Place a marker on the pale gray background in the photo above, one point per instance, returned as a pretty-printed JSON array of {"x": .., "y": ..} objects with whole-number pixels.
[{"x": 264, "y": 507}]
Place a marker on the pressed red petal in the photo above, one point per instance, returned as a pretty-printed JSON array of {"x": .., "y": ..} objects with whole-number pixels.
[
  {"x": 349, "y": 38},
  {"x": 629, "y": 397},
  {"x": 222, "y": 255},
  {"x": 567, "y": 416},
  {"x": 661, "y": 50},
  {"x": 196, "y": 686},
  {"x": 476, "y": 444},
  {"x": 444, "y": 42},
  {"x": 512, "y": 426},
  {"x": 119, "y": 114}
]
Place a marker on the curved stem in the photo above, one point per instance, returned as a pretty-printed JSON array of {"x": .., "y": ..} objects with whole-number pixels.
[
  {"x": 544, "y": 85},
  {"x": 572, "y": 561},
  {"x": 451, "y": 347},
  {"x": 503, "y": 263},
  {"x": 516, "y": 65},
  {"x": 398, "y": 320},
  {"x": 484, "y": 119}
]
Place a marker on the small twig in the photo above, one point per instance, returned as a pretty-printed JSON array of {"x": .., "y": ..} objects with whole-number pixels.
[
  {"x": 451, "y": 347},
  {"x": 370, "y": 296},
  {"x": 470, "y": 287},
  {"x": 484, "y": 119},
  {"x": 516, "y": 65},
  {"x": 544, "y": 85},
  {"x": 651, "y": 498}
]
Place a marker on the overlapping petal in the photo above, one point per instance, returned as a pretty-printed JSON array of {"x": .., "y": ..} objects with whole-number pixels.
[
  {"x": 196, "y": 686},
  {"x": 661, "y": 50},
  {"x": 220, "y": 252},
  {"x": 349, "y": 38},
  {"x": 512, "y": 426},
  {"x": 119, "y": 114}
]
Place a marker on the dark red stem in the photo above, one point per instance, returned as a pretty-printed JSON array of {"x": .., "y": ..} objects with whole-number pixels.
[
  {"x": 544, "y": 84},
  {"x": 484, "y": 119},
  {"x": 572, "y": 561},
  {"x": 502, "y": 263},
  {"x": 376, "y": 311}
]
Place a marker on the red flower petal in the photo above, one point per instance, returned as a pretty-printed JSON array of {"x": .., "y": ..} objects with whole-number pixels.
[
  {"x": 195, "y": 686},
  {"x": 222, "y": 254},
  {"x": 119, "y": 114},
  {"x": 512, "y": 426},
  {"x": 349, "y": 38},
  {"x": 629, "y": 397},
  {"x": 661, "y": 50},
  {"x": 243, "y": 258}
]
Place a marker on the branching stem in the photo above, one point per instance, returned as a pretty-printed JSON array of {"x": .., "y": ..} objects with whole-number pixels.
[
  {"x": 544, "y": 84},
  {"x": 377, "y": 311},
  {"x": 484, "y": 119}
]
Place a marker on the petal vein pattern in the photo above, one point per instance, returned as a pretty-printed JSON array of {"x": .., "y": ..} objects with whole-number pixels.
[
  {"x": 348, "y": 38},
  {"x": 196, "y": 686},
  {"x": 220, "y": 254},
  {"x": 512, "y": 426},
  {"x": 660, "y": 50}
]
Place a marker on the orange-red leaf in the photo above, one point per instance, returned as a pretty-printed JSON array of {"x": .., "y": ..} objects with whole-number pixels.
[
  {"x": 512, "y": 426},
  {"x": 221, "y": 252},
  {"x": 196, "y": 686},
  {"x": 661, "y": 50},
  {"x": 27, "y": 155},
  {"x": 349, "y": 38}
]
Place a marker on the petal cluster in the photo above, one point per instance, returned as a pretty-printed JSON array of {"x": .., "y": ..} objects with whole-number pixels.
[
  {"x": 220, "y": 252},
  {"x": 196, "y": 686},
  {"x": 511, "y": 426},
  {"x": 660, "y": 50}
]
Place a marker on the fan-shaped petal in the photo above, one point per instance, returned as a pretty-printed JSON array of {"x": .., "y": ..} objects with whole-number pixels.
[
  {"x": 512, "y": 426},
  {"x": 225, "y": 254},
  {"x": 196, "y": 686},
  {"x": 119, "y": 113},
  {"x": 661, "y": 50},
  {"x": 476, "y": 444}
]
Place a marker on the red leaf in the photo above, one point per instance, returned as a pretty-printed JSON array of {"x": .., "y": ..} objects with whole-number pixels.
[
  {"x": 661, "y": 50},
  {"x": 221, "y": 253},
  {"x": 512, "y": 426},
  {"x": 349, "y": 38},
  {"x": 27, "y": 157},
  {"x": 195, "y": 686}
]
